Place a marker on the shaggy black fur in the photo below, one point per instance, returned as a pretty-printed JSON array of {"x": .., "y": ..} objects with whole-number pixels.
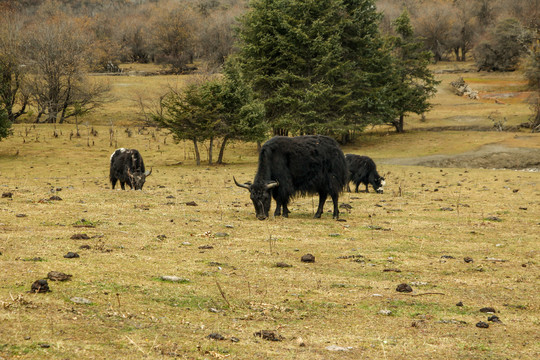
[
  {"x": 362, "y": 169},
  {"x": 127, "y": 166},
  {"x": 300, "y": 165}
]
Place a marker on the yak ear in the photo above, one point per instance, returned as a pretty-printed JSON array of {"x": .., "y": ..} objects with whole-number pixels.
[
  {"x": 148, "y": 173},
  {"x": 272, "y": 184},
  {"x": 245, "y": 186}
]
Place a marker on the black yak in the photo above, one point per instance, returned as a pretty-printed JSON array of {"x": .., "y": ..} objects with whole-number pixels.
[
  {"x": 127, "y": 166},
  {"x": 362, "y": 169},
  {"x": 299, "y": 165}
]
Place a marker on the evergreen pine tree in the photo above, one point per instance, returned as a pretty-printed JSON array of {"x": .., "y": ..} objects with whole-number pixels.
[
  {"x": 414, "y": 82},
  {"x": 319, "y": 66}
]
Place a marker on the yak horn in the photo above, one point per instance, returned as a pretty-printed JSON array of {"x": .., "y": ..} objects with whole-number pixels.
[
  {"x": 147, "y": 173},
  {"x": 272, "y": 184},
  {"x": 245, "y": 186}
]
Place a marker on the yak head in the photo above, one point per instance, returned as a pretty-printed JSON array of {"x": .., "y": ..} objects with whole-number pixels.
[
  {"x": 379, "y": 184},
  {"x": 261, "y": 196},
  {"x": 138, "y": 178}
]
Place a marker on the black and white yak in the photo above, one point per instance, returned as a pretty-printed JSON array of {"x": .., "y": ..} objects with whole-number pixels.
[
  {"x": 127, "y": 166},
  {"x": 362, "y": 169},
  {"x": 298, "y": 165}
]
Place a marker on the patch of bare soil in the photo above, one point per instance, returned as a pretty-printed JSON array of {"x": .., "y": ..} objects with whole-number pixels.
[{"x": 491, "y": 156}]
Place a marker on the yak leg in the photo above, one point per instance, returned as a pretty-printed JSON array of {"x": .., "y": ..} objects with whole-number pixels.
[
  {"x": 335, "y": 200},
  {"x": 277, "y": 198},
  {"x": 278, "y": 208},
  {"x": 367, "y": 190},
  {"x": 348, "y": 187},
  {"x": 322, "y": 200},
  {"x": 285, "y": 210},
  {"x": 113, "y": 182},
  {"x": 357, "y": 184},
  {"x": 122, "y": 185},
  {"x": 279, "y": 205}
]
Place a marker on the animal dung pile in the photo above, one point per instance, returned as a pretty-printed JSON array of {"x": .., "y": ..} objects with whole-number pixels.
[
  {"x": 283, "y": 265},
  {"x": 404, "y": 288},
  {"x": 269, "y": 335},
  {"x": 215, "y": 336},
  {"x": 495, "y": 319},
  {"x": 40, "y": 286},
  {"x": 58, "y": 276},
  {"x": 308, "y": 258},
  {"x": 79, "y": 237},
  {"x": 488, "y": 310}
]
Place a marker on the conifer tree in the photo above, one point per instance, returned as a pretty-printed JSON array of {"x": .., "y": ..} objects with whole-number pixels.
[
  {"x": 221, "y": 108},
  {"x": 319, "y": 66},
  {"x": 414, "y": 82}
]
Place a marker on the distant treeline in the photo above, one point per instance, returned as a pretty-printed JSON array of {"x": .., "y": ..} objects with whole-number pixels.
[{"x": 176, "y": 33}]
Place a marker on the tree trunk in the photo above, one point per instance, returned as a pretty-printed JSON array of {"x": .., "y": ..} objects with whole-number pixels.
[
  {"x": 38, "y": 117},
  {"x": 456, "y": 52},
  {"x": 52, "y": 113},
  {"x": 66, "y": 102},
  {"x": 281, "y": 132},
  {"x": 197, "y": 154},
  {"x": 210, "y": 147},
  {"x": 14, "y": 116},
  {"x": 345, "y": 138},
  {"x": 398, "y": 124},
  {"x": 222, "y": 150}
]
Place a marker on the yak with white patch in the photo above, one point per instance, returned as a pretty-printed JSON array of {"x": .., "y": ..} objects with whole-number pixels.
[
  {"x": 127, "y": 166},
  {"x": 362, "y": 169},
  {"x": 299, "y": 165}
]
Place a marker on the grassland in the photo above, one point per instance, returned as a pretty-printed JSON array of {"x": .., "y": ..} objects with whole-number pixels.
[{"x": 418, "y": 232}]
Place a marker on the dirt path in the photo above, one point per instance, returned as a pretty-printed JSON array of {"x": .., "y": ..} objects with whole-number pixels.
[{"x": 491, "y": 156}]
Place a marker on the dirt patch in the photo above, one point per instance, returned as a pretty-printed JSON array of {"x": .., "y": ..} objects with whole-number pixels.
[{"x": 492, "y": 156}]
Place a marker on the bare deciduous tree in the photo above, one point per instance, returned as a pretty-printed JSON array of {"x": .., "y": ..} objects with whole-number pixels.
[
  {"x": 464, "y": 29},
  {"x": 434, "y": 25},
  {"x": 13, "y": 95},
  {"x": 174, "y": 38},
  {"x": 216, "y": 37},
  {"x": 58, "y": 52},
  {"x": 527, "y": 11},
  {"x": 486, "y": 12}
]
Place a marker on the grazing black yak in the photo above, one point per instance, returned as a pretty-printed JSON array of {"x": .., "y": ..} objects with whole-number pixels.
[
  {"x": 127, "y": 166},
  {"x": 299, "y": 165},
  {"x": 362, "y": 169}
]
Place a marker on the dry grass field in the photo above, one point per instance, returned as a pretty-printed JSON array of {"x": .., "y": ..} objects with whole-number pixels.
[{"x": 193, "y": 223}]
